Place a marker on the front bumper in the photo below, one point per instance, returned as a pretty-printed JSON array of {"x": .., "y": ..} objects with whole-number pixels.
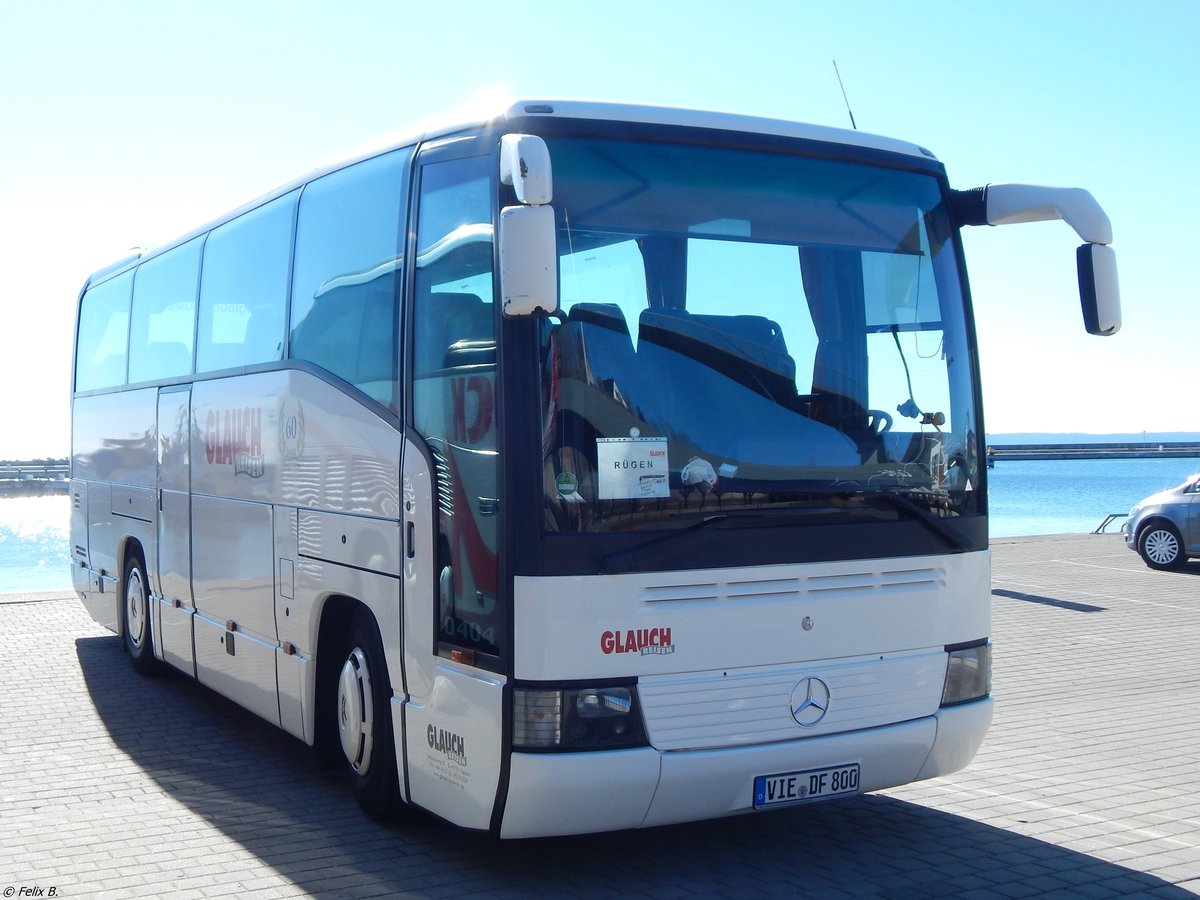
[{"x": 576, "y": 793}]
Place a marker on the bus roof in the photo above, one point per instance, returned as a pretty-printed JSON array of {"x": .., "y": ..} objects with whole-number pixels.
[
  {"x": 473, "y": 117},
  {"x": 695, "y": 118}
]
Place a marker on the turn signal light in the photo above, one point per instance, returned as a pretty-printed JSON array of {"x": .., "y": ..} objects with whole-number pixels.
[
  {"x": 573, "y": 719},
  {"x": 968, "y": 673}
]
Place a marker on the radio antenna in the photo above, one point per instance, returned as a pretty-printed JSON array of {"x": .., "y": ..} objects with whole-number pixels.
[{"x": 844, "y": 97}]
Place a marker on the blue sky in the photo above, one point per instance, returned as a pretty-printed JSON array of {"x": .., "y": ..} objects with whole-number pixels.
[{"x": 126, "y": 123}]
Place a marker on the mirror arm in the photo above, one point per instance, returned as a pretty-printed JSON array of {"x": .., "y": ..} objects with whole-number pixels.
[{"x": 1007, "y": 204}]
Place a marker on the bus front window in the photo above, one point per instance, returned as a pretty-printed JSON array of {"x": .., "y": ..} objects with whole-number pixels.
[{"x": 744, "y": 332}]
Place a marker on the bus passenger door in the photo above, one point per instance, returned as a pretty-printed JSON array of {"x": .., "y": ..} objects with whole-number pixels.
[
  {"x": 172, "y": 581},
  {"x": 453, "y": 623}
]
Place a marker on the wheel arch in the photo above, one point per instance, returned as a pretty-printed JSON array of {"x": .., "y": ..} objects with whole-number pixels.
[
  {"x": 332, "y": 624},
  {"x": 343, "y": 623},
  {"x": 1152, "y": 521}
]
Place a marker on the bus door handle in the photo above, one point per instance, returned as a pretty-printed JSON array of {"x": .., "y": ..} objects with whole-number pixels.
[{"x": 411, "y": 540}]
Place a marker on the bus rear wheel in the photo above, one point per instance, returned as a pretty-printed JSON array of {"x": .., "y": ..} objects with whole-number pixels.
[
  {"x": 362, "y": 720},
  {"x": 135, "y": 616}
]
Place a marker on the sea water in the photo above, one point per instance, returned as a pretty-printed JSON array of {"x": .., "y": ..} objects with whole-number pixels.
[
  {"x": 35, "y": 543},
  {"x": 1073, "y": 496},
  {"x": 1026, "y": 498}
]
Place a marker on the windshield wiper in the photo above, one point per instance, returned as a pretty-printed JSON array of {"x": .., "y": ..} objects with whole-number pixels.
[
  {"x": 922, "y": 514},
  {"x": 623, "y": 560},
  {"x": 626, "y": 560}
]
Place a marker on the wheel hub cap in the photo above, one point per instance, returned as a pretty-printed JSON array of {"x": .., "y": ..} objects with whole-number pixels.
[
  {"x": 135, "y": 609},
  {"x": 355, "y": 715},
  {"x": 1161, "y": 546}
]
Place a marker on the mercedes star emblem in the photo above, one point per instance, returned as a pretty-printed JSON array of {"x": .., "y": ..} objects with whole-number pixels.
[{"x": 810, "y": 701}]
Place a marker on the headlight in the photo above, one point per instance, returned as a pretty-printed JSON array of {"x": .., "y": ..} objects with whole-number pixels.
[
  {"x": 968, "y": 673},
  {"x": 587, "y": 718}
]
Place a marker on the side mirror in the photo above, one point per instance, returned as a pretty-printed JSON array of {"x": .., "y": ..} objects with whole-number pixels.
[
  {"x": 1004, "y": 204},
  {"x": 528, "y": 260},
  {"x": 527, "y": 241},
  {"x": 1099, "y": 292},
  {"x": 525, "y": 164}
]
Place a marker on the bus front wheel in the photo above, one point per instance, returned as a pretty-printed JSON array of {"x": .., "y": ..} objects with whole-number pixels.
[{"x": 363, "y": 720}]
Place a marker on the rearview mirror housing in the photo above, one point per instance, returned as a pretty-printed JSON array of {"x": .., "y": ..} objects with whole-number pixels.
[
  {"x": 525, "y": 164},
  {"x": 527, "y": 241},
  {"x": 528, "y": 260},
  {"x": 1099, "y": 291}
]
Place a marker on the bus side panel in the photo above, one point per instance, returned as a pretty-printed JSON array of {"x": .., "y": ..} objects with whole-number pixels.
[
  {"x": 419, "y": 581},
  {"x": 239, "y": 665},
  {"x": 453, "y": 715},
  {"x": 86, "y": 580},
  {"x": 295, "y": 666},
  {"x": 289, "y": 438},
  {"x": 278, "y": 460},
  {"x": 172, "y": 575},
  {"x": 453, "y": 745},
  {"x": 234, "y": 584},
  {"x": 113, "y": 451},
  {"x": 315, "y": 582}
]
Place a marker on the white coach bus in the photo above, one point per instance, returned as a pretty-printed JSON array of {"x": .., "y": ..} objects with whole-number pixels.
[{"x": 582, "y": 467}]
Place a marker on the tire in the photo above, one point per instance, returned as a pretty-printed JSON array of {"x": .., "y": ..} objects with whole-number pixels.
[
  {"x": 135, "y": 616},
  {"x": 1161, "y": 546},
  {"x": 361, "y": 719}
]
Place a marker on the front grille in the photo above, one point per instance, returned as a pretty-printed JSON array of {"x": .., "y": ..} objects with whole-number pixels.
[{"x": 738, "y": 707}]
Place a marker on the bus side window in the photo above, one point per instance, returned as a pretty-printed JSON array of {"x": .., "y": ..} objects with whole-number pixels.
[
  {"x": 346, "y": 281},
  {"x": 164, "y": 314},
  {"x": 454, "y": 373},
  {"x": 103, "y": 340},
  {"x": 243, "y": 288}
]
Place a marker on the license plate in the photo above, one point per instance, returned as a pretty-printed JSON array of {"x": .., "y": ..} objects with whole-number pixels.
[{"x": 806, "y": 786}]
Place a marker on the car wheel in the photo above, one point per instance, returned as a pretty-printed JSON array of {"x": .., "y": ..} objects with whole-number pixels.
[
  {"x": 135, "y": 616},
  {"x": 1161, "y": 546},
  {"x": 363, "y": 721}
]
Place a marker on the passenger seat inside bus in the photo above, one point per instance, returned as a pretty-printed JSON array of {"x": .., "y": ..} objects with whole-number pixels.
[
  {"x": 598, "y": 350},
  {"x": 448, "y": 319},
  {"x": 748, "y": 350}
]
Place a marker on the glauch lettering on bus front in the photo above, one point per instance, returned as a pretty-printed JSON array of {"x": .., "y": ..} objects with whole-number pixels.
[{"x": 646, "y": 641}]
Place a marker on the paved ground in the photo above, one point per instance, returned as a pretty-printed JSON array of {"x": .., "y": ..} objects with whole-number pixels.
[{"x": 113, "y": 785}]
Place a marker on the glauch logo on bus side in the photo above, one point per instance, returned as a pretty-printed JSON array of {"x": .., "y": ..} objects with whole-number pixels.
[
  {"x": 233, "y": 437},
  {"x": 449, "y": 744},
  {"x": 645, "y": 641}
]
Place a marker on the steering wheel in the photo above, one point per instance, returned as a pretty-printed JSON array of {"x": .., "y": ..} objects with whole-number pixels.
[{"x": 878, "y": 421}]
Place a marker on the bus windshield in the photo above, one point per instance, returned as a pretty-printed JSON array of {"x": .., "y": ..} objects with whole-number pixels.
[{"x": 746, "y": 333}]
